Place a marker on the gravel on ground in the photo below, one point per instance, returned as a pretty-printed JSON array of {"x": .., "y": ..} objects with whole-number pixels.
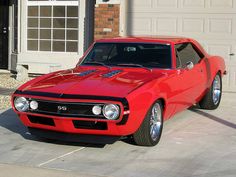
[{"x": 8, "y": 81}]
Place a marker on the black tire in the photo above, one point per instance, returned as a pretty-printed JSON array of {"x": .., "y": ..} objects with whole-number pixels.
[
  {"x": 208, "y": 100},
  {"x": 143, "y": 136}
]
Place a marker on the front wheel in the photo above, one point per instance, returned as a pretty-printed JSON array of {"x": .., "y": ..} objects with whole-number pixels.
[
  {"x": 213, "y": 97},
  {"x": 149, "y": 133}
]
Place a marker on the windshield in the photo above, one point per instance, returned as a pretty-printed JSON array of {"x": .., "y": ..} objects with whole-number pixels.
[{"x": 130, "y": 55}]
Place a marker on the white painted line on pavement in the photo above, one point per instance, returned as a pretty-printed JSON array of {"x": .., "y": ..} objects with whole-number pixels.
[{"x": 59, "y": 157}]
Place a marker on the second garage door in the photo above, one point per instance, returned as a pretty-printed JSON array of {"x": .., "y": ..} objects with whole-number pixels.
[{"x": 211, "y": 22}]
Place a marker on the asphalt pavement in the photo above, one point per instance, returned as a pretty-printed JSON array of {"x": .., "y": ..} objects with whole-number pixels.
[{"x": 195, "y": 143}]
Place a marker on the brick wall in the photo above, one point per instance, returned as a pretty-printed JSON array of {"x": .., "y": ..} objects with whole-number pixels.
[{"x": 107, "y": 19}]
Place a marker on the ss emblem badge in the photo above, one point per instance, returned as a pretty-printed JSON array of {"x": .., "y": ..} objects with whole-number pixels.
[{"x": 61, "y": 108}]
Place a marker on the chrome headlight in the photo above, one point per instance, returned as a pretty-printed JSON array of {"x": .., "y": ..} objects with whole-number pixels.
[
  {"x": 21, "y": 104},
  {"x": 111, "y": 111}
]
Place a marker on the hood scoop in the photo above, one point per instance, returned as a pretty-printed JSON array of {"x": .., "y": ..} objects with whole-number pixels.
[
  {"x": 85, "y": 73},
  {"x": 111, "y": 74}
]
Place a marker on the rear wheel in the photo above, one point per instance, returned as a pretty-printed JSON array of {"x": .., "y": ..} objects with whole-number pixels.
[
  {"x": 149, "y": 133},
  {"x": 213, "y": 97}
]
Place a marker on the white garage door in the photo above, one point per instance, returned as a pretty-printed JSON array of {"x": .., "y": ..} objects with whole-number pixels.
[{"x": 211, "y": 22}]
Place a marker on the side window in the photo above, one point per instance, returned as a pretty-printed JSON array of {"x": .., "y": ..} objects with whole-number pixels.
[
  {"x": 186, "y": 53},
  {"x": 178, "y": 62}
]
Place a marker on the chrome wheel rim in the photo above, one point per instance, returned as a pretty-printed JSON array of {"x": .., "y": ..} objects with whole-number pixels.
[
  {"x": 155, "y": 121},
  {"x": 216, "y": 90}
]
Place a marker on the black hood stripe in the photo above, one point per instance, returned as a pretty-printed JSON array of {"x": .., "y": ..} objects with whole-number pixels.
[{"x": 69, "y": 96}]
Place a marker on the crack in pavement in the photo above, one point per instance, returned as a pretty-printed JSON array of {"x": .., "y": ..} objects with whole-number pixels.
[{"x": 59, "y": 157}]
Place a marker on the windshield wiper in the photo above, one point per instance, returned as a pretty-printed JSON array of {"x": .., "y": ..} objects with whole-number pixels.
[
  {"x": 96, "y": 63},
  {"x": 134, "y": 65}
]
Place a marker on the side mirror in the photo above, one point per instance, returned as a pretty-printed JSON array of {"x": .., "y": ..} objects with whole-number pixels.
[{"x": 189, "y": 65}]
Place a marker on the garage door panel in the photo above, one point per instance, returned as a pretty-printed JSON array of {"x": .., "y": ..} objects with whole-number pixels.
[
  {"x": 198, "y": 6},
  {"x": 220, "y": 26},
  {"x": 140, "y": 4},
  {"x": 221, "y": 50},
  {"x": 204, "y": 26},
  {"x": 221, "y": 4},
  {"x": 224, "y": 49},
  {"x": 230, "y": 80},
  {"x": 193, "y": 25},
  {"x": 194, "y": 3},
  {"x": 168, "y": 25},
  {"x": 226, "y": 82},
  {"x": 165, "y": 3},
  {"x": 211, "y": 22},
  {"x": 188, "y": 6},
  {"x": 141, "y": 26},
  {"x": 233, "y": 75}
]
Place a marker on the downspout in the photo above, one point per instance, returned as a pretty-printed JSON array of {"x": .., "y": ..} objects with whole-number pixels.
[{"x": 86, "y": 24}]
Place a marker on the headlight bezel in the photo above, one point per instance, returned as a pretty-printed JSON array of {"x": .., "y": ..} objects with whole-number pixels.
[
  {"x": 115, "y": 115},
  {"x": 21, "y": 104}
]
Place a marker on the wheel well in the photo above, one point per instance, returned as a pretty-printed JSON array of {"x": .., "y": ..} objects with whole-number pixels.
[
  {"x": 218, "y": 72},
  {"x": 163, "y": 102}
]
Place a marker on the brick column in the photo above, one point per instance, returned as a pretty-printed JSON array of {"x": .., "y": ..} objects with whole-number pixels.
[{"x": 107, "y": 21}]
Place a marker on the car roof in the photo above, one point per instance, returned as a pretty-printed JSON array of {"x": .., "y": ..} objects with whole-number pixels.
[{"x": 154, "y": 39}]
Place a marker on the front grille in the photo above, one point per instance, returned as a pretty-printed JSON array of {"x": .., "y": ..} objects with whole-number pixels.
[
  {"x": 67, "y": 109},
  {"x": 41, "y": 120},
  {"x": 90, "y": 125}
]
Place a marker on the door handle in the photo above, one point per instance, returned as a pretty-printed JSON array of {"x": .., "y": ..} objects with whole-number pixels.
[{"x": 231, "y": 54}]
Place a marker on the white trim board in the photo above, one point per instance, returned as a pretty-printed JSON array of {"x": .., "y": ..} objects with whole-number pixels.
[{"x": 49, "y": 3}]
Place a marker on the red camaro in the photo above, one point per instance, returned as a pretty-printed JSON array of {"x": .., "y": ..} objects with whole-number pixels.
[{"x": 121, "y": 87}]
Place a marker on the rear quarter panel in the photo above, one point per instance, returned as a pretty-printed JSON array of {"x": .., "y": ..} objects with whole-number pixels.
[{"x": 214, "y": 64}]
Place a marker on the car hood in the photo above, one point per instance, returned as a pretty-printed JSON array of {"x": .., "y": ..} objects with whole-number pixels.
[{"x": 117, "y": 82}]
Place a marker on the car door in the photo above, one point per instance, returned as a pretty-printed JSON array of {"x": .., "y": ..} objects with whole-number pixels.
[{"x": 190, "y": 69}]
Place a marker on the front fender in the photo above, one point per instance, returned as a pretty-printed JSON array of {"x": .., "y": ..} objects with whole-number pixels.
[{"x": 140, "y": 102}]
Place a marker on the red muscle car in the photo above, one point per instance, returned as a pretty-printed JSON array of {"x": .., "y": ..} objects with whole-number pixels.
[{"x": 121, "y": 87}]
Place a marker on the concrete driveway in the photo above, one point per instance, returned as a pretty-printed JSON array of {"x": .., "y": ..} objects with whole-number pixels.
[{"x": 195, "y": 143}]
